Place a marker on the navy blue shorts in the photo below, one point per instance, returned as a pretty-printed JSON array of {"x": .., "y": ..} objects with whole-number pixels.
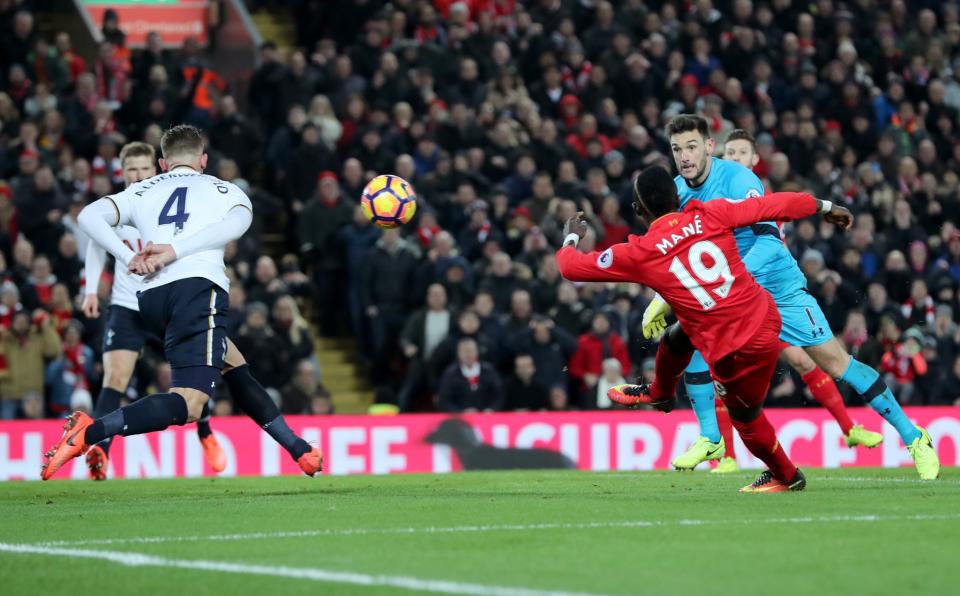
[
  {"x": 124, "y": 330},
  {"x": 190, "y": 315}
]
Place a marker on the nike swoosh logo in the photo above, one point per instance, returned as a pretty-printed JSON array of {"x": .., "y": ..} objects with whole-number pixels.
[{"x": 709, "y": 453}]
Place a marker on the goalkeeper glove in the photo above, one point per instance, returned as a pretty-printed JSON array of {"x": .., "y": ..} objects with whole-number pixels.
[{"x": 655, "y": 318}]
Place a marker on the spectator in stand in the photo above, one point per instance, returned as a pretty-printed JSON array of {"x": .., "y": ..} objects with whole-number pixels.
[
  {"x": 612, "y": 376},
  {"x": 292, "y": 329},
  {"x": 903, "y": 363},
  {"x": 318, "y": 226},
  {"x": 24, "y": 348},
  {"x": 593, "y": 347},
  {"x": 262, "y": 348},
  {"x": 386, "y": 276},
  {"x": 40, "y": 207},
  {"x": 303, "y": 387},
  {"x": 423, "y": 333},
  {"x": 69, "y": 376},
  {"x": 949, "y": 392},
  {"x": 469, "y": 385},
  {"x": 570, "y": 313},
  {"x": 357, "y": 239},
  {"x": 38, "y": 287},
  {"x": 501, "y": 281},
  {"x": 523, "y": 393},
  {"x": 311, "y": 159},
  {"x": 551, "y": 348},
  {"x": 266, "y": 286}
]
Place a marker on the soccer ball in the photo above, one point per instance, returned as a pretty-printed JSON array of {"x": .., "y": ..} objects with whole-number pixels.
[{"x": 388, "y": 201}]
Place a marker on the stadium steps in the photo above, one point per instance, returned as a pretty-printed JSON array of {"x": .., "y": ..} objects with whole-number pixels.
[
  {"x": 64, "y": 16},
  {"x": 341, "y": 376},
  {"x": 274, "y": 244},
  {"x": 277, "y": 26}
]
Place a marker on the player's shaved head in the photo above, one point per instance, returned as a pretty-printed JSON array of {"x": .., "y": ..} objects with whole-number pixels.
[
  {"x": 654, "y": 193},
  {"x": 182, "y": 145}
]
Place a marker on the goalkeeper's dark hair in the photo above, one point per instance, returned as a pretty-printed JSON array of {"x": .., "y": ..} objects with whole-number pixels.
[
  {"x": 655, "y": 193},
  {"x": 739, "y": 134},
  {"x": 686, "y": 123}
]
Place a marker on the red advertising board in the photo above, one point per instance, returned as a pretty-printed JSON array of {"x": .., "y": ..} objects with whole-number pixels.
[
  {"x": 422, "y": 443},
  {"x": 174, "y": 20}
]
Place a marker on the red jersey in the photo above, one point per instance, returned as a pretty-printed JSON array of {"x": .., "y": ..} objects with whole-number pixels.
[{"x": 691, "y": 259}]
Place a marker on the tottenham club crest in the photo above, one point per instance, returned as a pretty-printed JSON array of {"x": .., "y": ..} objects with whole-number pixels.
[{"x": 110, "y": 334}]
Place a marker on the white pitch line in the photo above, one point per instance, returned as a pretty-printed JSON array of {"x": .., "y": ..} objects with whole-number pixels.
[
  {"x": 307, "y": 573},
  {"x": 859, "y": 479},
  {"x": 883, "y": 480},
  {"x": 866, "y": 518}
]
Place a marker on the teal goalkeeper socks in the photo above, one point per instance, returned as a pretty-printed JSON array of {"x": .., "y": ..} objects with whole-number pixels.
[
  {"x": 867, "y": 383},
  {"x": 701, "y": 398}
]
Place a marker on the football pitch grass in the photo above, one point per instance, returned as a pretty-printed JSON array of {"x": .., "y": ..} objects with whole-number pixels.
[{"x": 855, "y": 531}]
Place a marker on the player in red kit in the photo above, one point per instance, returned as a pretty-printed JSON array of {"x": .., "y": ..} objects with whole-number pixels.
[{"x": 691, "y": 259}]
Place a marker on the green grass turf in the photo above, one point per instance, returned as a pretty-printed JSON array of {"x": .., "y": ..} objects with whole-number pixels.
[{"x": 733, "y": 545}]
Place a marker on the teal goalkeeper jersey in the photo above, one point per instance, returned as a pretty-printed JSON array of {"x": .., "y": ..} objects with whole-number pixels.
[{"x": 763, "y": 252}]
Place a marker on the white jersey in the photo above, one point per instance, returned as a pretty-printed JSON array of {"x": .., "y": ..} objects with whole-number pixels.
[
  {"x": 126, "y": 284},
  {"x": 180, "y": 204}
]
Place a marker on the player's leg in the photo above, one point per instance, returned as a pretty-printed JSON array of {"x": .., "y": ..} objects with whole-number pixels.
[
  {"x": 826, "y": 393},
  {"x": 805, "y": 326},
  {"x": 673, "y": 356},
  {"x": 191, "y": 316},
  {"x": 123, "y": 339},
  {"x": 117, "y": 369},
  {"x": 212, "y": 451},
  {"x": 743, "y": 379},
  {"x": 700, "y": 391},
  {"x": 255, "y": 402},
  {"x": 710, "y": 445},
  {"x": 832, "y": 358}
]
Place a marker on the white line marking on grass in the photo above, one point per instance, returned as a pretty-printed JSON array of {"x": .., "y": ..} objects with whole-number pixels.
[
  {"x": 883, "y": 480},
  {"x": 500, "y": 528},
  {"x": 320, "y": 575},
  {"x": 859, "y": 479}
]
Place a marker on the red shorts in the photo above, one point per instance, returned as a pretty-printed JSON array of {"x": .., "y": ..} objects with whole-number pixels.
[{"x": 743, "y": 377}]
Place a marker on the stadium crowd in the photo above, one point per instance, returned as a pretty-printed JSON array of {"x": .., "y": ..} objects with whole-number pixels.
[{"x": 507, "y": 117}]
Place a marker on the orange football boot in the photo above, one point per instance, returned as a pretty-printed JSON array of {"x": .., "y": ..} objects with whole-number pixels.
[
  {"x": 213, "y": 453},
  {"x": 311, "y": 462},
  {"x": 71, "y": 444},
  {"x": 631, "y": 395},
  {"x": 766, "y": 483},
  {"x": 97, "y": 462}
]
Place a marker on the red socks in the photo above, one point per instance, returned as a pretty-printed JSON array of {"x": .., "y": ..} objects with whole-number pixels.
[
  {"x": 669, "y": 368},
  {"x": 825, "y": 391},
  {"x": 726, "y": 427},
  {"x": 761, "y": 440}
]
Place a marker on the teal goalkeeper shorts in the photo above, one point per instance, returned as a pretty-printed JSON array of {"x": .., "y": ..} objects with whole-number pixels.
[{"x": 804, "y": 324}]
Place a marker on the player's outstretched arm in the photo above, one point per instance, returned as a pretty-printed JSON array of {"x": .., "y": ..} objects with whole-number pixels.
[
  {"x": 154, "y": 256},
  {"x": 97, "y": 219},
  {"x": 613, "y": 264},
  {"x": 233, "y": 225},
  {"x": 778, "y": 206}
]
